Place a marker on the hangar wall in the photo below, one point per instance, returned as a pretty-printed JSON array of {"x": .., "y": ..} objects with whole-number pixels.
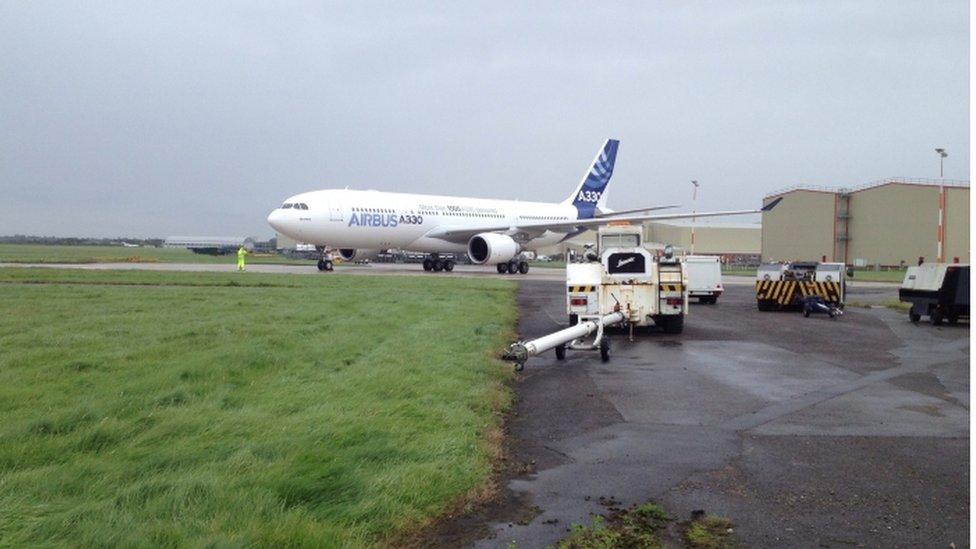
[
  {"x": 891, "y": 222},
  {"x": 801, "y": 227},
  {"x": 710, "y": 238}
]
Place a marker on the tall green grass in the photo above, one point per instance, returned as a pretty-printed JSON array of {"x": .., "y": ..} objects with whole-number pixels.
[
  {"x": 41, "y": 253},
  {"x": 242, "y": 409}
]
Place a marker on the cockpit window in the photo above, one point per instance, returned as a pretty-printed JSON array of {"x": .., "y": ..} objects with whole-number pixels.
[
  {"x": 286, "y": 205},
  {"x": 302, "y": 206}
]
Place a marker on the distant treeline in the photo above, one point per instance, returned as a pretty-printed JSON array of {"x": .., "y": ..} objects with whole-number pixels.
[{"x": 73, "y": 241}]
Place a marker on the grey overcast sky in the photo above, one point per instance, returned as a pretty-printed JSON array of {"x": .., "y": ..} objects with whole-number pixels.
[{"x": 158, "y": 118}]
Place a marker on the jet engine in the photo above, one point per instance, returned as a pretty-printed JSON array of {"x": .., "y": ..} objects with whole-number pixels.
[
  {"x": 350, "y": 254},
  {"x": 492, "y": 248}
]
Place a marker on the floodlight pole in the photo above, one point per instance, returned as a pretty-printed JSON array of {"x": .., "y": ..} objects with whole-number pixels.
[
  {"x": 942, "y": 155},
  {"x": 940, "y": 232},
  {"x": 694, "y": 200}
]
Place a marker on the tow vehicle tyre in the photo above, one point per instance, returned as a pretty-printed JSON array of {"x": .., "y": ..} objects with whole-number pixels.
[
  {"x": 438, "y": 265},
  {"x": 913, "y": 316},
  {"x": 428, "y": 265},
  {"x": 513, "y": 267},
  {"x": 560, "y": 352},
  {"x": 936, "y": 316},
  {"x": 832, "y": 314},
  {"x": 573, "y": 320},
  {"x": 674, "y": 325},
  {"x": 806, "y": 312},
  {"x": 523, "y": 267},
  {"x": 502, "y": 268},
  {"x": 448, "y": 265},
  {"x": 605, "y": 349},
  {"x": 953, "y": 319}
]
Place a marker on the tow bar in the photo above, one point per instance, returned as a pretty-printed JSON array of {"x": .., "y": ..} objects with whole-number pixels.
[{"x": 520, "y": 351}]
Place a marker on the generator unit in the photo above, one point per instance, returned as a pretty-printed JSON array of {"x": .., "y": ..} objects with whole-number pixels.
[
  {"x": 620, "y": 284},
  {"x": 624, "y": 276},
  {"x": 788, "y": 285},
  {"x": 938, "y": 290}
]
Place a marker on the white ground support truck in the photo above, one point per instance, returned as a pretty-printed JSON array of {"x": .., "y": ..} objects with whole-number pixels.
[
  {"x": 623, "y": 284},
  {"x": 704, "y": 277}
]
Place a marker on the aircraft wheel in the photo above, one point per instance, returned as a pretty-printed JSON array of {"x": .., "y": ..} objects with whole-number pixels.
[
  {"x": 428, "y": 265},
  {"x": 328, "y": 265},
  {"x": 605, "y": 349},
  {"x": 513, "y": 267},
  {"x": 523, "y": 267},
  {"x": 560, "y": 352},
  {"x": 448, "y": 265},
  {"x": 502, "y": 268},
  {"x": 438, "y": 265},
  {"x": 321, "y": 265}
]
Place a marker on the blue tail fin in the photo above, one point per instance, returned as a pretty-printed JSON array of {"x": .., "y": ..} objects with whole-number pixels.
[{"x": 591, "y": 192}]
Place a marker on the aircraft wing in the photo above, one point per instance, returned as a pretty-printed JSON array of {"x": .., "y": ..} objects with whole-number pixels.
[{"x": 533, "y": 230}]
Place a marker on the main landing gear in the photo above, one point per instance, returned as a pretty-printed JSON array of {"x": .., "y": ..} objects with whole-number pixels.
[
  {"x": 513, "y": 267},
  {"x": 437, "y": 264},
  {"x": 325, "y": 265}
]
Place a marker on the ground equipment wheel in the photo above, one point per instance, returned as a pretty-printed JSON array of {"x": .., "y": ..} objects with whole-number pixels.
[
  {"x": 428, "y": 265},
  {"x": 935, "y": 315},
  {"x": 806, "y": 312},
  {"x": 449, "y": 265},
  {"x": 674, "y": 325},
  {"x": 953, "y": 319},
  {"x": 438, "y": 265},
  {"x": 513, "y": 267},
  {"x": 573, "y": 320},
  {"x": 560, "y": 352},
  {"x": 523, "y": 267},
  {"x": 605, "y": 349},
  {"x": 913, "y": 316},
  {"x": 502, "y": 268}
]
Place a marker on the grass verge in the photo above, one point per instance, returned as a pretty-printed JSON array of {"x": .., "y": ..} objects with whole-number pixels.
[
  {"x": 243, "y": 409},
  {"x": 42, "y": 253}
]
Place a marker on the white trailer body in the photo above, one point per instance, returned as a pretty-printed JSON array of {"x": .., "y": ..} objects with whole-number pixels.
[{"x": 704, "y": 277}]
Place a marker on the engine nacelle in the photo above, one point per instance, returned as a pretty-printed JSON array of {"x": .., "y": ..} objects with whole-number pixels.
[
  {"x": 350, "y": 254},
  {"x": 492, "y": 248}
]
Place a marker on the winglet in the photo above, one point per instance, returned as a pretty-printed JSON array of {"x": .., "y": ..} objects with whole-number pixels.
[{"x": 771, "y": 205}]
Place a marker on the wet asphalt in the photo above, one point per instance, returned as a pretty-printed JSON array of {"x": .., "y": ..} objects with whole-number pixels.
[{"x": 804, "y": 432}]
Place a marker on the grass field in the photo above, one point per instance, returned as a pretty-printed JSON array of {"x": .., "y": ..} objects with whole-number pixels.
[
  {"x": 39, "y": 253},
  {"x": 153, "y": 408}
]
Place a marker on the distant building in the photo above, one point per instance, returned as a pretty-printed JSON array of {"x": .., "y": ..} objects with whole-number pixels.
[
  {"x": 734, "y": 242},
  {"x": 211, "y": 245},
  {"x": 893, "y": 222}
]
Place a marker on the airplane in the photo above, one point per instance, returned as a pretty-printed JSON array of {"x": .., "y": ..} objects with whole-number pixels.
[{"x": 362, "y": 224}]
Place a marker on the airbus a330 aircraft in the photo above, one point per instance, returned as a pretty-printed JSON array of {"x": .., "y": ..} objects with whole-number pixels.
[{"x": 361, "y": 224}]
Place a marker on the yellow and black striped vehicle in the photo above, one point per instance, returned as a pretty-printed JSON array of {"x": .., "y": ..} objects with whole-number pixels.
[{"x": 786, "y": 285}]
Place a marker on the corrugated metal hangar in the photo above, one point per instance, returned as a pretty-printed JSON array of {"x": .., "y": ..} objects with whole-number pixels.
[
  {"x": 893, "y": 222},
  {"x": 735, "y": 242}
]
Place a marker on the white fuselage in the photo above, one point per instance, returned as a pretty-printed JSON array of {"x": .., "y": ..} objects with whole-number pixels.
[{"x": 375, "y": 220}]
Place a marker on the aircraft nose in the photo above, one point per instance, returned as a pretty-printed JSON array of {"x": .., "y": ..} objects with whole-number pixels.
[{"x": 276, "y": 220}]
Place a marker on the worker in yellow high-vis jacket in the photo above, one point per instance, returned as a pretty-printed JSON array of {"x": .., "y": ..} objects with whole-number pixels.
[{"x": 241, "y": 252}]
